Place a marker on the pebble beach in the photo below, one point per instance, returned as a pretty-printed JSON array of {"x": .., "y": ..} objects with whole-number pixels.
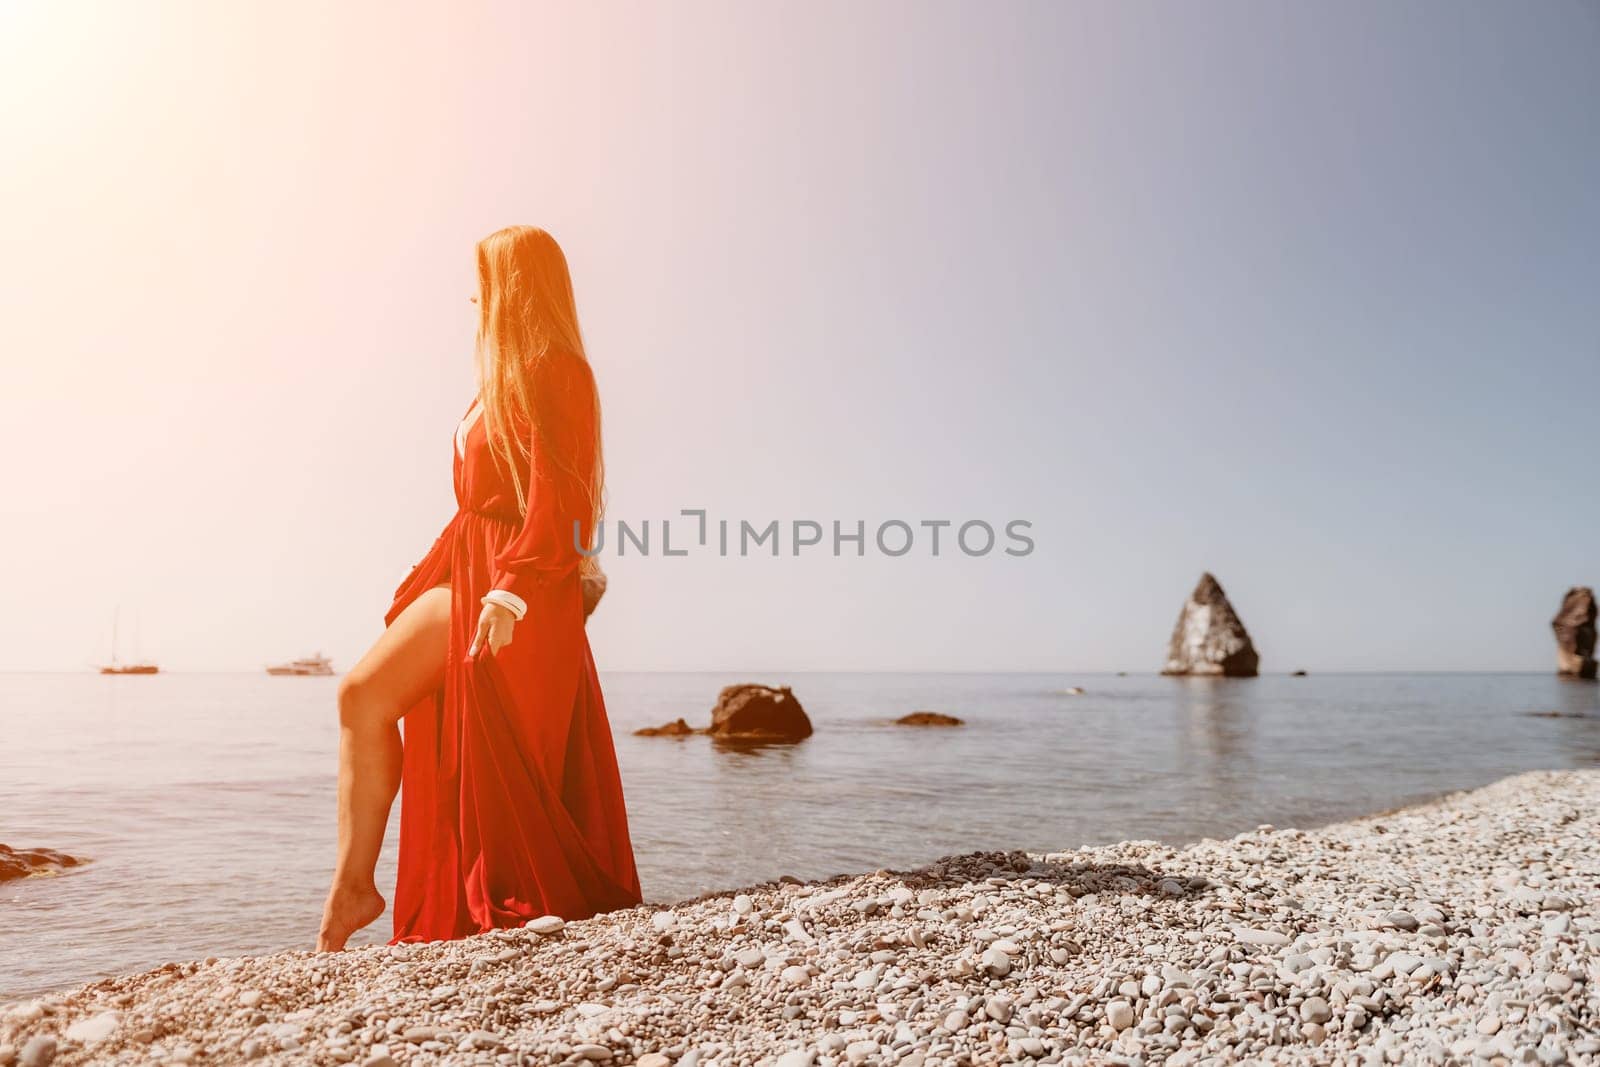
[{"x": 1462, "y": 931}]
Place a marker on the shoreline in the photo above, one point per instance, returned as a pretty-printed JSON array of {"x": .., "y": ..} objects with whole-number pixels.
[{"x": 1462, "y": 926}]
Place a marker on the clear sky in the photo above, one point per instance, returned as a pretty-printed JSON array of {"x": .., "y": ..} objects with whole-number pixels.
[{"x": 1304, "y": 294}]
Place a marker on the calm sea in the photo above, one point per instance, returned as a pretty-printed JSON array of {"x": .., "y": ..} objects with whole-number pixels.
[{"x": 205, "y": 801}]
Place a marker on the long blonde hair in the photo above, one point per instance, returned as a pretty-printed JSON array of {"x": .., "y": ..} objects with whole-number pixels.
[{"x": 528, "y": 321}]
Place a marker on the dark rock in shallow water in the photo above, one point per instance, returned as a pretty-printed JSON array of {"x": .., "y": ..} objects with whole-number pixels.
[
  {"x": 928, "y": 718},
  {"x": 1575, "y": 633},
  {"x": 759, "y": 712},
  {"x": 1209, "y": 638},
  {"x": 21, "y": 862},
  {"x": 679, "y": 728},
  {"x": 1297, "y": 674}
]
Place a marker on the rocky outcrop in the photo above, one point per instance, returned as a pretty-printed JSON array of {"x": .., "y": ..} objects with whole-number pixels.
[
  {"x": 1574, "y": 627},
  {"x": 21, "y": 862},
  {"x": 928, "y": 718},
  {"x": 680, "y": 728},
  {"x": 1209, "y": 638},
  {"x": 759, "y": 713}
]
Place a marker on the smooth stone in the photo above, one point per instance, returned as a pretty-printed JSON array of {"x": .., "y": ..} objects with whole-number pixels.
[
  {"x": 1031, "y": 1047},
  {"x": 93, "y": 1029},
  {"x": 1403, "y": 963},
  {"x": 1315, "y": 1010},
  {"x": 996, "y": 962},
  {"x": 1174, "y": 976},
  {"x": 545, "y": 924},
  {"x": 1119, "y": 1014},
  {"x": 857, "y": 1051},
  {"x": 1267, "y": 938},
  {"x": 39, "y": 1051},
  {"x": 591, "y": 1051}
]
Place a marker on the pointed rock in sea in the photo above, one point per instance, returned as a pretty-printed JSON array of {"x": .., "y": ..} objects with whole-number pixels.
[
  {"x": 1575, "y": 633},
  {"x": 1209, "y": 638}
]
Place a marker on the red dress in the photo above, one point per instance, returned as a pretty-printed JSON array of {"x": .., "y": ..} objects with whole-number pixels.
[{"x": 511, "y": 805}]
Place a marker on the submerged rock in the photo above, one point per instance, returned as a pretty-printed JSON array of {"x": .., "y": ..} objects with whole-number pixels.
[
  {"x": 928, "y": 718},
  {"x": 21, "y": 862},
  {"x": 759, "y": 712},
  {"x": 679, "y": 728},
  {"x": 1575, "y": 633},
  {"x": 1209, "y": 638}
]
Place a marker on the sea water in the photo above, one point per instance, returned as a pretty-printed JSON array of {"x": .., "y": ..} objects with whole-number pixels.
[{"x": 205, "y": 802}]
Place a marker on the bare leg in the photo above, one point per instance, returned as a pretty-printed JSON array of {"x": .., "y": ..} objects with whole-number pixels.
[{"x": 402, "y": 667}]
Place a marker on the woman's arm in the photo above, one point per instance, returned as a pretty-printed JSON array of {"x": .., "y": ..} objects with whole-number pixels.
[
  {"x": 545, "y": 551},
  {"x": 544, "y": 554}
]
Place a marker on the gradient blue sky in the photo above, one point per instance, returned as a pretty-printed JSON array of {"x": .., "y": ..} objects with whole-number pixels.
[{"x": 1302, "y": 294}]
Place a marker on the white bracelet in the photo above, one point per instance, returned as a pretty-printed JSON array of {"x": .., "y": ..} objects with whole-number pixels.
[{"x": 508, "y": 600}]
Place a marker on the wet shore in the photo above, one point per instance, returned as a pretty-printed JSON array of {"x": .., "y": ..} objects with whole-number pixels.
[{"x": 1464, "y": 930}]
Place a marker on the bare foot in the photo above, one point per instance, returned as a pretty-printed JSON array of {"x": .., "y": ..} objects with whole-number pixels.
[{"x": 347, "y": 910}]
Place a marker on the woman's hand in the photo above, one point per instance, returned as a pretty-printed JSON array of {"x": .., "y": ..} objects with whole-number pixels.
[{"x": 494, "y": 629}]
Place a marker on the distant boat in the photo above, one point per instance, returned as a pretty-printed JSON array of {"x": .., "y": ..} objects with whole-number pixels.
[
  {"x": 130, "y": 668},
  {"x": 140, "y": 665},
  {"x": 308, "y": 665}
]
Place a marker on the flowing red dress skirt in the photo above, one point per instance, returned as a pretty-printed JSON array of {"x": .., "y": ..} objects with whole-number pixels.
[{"x": 511, "y": 804}]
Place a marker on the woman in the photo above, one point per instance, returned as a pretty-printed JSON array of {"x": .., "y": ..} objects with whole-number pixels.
[{"x": 511, "y": 802}]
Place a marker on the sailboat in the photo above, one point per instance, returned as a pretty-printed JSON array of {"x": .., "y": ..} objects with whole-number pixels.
[{"x": 116, "y": 666}]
